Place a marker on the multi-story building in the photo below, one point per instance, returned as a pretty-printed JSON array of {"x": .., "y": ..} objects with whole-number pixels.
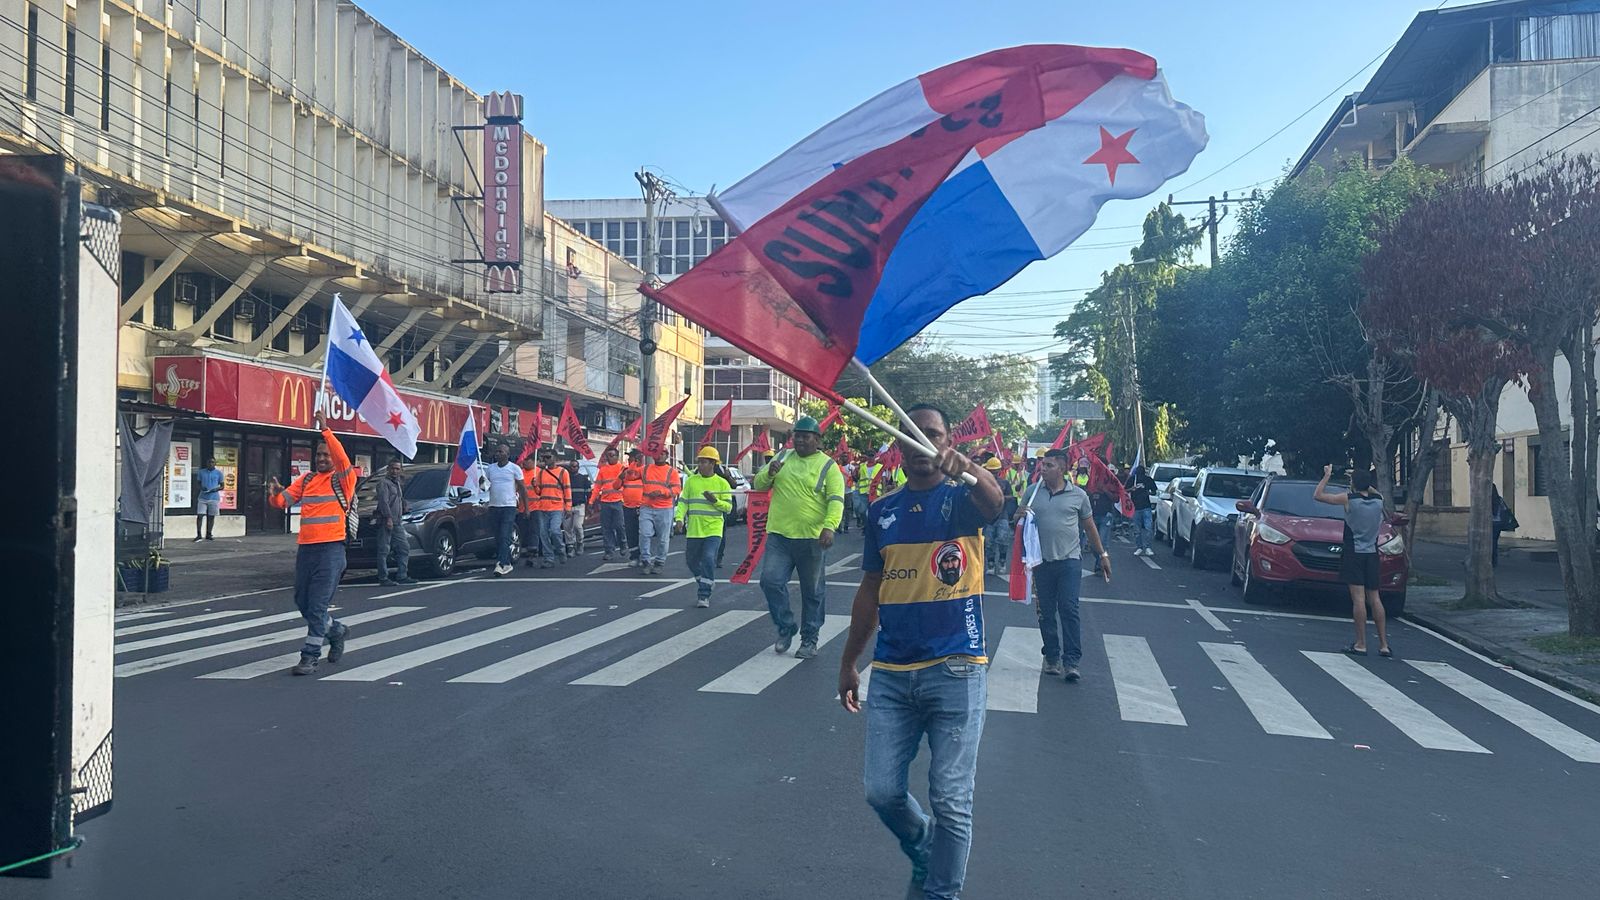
[
  {"x": 1481, "y": 91},
  {"x": 687, "y": 231},
  {"x": 1049, "y": 382},
  {"x": 266, "y": 155}
]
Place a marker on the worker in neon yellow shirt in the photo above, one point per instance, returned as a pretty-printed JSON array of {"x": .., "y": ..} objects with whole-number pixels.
[
  {"x": 706, "y": 499},
  {"x": 807, "y": 504}
]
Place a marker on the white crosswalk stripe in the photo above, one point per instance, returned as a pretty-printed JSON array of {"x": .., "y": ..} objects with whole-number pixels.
[
  {"x": 134, "y": 617},
  {"x": 183, "y": 637},
  {"x": 1402, "y": 712},
  {"x": 1142, "y": 691},
  {"x": 167, "y": 661},
  {"x": 538, "y": 658},
  {"x": 1544, "y": 727},
  {"x": 761, "y": 671},
  {"x": 624, "y": 672},
  {"x": 360, "y": 642},
  {"x": 1014, "y": 671},
  {"x": 381, "y": 669},
  {"x": 1266, "y": 698},
  {"x": 176, "y": 623}
]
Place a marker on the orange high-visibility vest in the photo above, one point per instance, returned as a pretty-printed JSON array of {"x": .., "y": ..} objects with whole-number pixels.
[
  {"x": 633, "y": 486},
  {"x": 322, "y": 516},
  {"x": 549, "y": 490},
  {"x": 608, "y": 484},
  {"x": 661, "y": 486}
]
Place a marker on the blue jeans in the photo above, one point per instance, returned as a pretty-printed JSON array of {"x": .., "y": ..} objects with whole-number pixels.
[
  {"x": 548, "y": 526},
  {"x": 997, "y": 545},
  {"x": 505, "y": 520},
  {"x": 701, "y": 555},
  {"x": 1057, "y": 583},
  {"x": 858, "y": 507},
  {"x": 655, "y": 532},
  {"x": 393, "y": 543},
  {"x": 1143, "y": 522},
  {"x": 782, "y": 556},
  {"x": 317, "y": 570},
  {"x": 946, "y": 702},
  {"x": 612, "y": 531}
]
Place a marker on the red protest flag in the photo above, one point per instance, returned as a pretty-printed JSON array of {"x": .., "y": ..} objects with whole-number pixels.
[
  {"x": 572, "y": 431},
  {"x": 535, "y": 436},
  {"x": 1107, "y": 448},
  {"x": 759, "y": 445},
  {"x": 630, "y": 433},
  {"x": 844, "y": 448},
  {"x": 655, "y": 435},
  {"x": 974, "y": 427},
  {"x": 722, "y": 421},
  {"x": 1061, "y": 439},
  {"x": 831, "y": 419},
  {"x": 756, "y": 536}
]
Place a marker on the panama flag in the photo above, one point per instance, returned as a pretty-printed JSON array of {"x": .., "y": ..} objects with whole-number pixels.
[
  {"x": 354, "y": 372},
  {"x": 465, "y": 472},
  {"x": 939, "y": 189}
]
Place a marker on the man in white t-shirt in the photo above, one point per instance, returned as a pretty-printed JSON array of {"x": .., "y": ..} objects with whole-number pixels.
[{"x": 505, "y": 487}]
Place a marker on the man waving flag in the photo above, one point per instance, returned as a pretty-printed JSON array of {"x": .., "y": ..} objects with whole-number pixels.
[{"x": 354, "y": 372}]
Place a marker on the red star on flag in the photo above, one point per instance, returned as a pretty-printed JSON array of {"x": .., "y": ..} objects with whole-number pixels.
[
  {"x": 396, "y": 420},
  {"x": 1113, "y": 152}
]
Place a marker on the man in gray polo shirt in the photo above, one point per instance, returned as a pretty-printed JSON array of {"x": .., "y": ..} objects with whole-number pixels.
[{"x": 1061, "y": 512}]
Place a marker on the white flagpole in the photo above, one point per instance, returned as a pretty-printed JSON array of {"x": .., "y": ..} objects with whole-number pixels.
[
  {"x": 919, "y": 441},
  {"x": 327, "y": 348}
]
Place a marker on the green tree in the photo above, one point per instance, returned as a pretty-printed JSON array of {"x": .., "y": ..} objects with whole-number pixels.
[
  {"x": 862, "y": 437},
  {"x": 925, "y": 370}
]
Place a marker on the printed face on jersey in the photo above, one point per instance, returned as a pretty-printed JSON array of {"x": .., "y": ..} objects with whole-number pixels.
[{"x": 950, "y": 561}]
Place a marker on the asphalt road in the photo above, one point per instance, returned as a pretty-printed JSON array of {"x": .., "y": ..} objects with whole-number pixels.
[{"x": 557, "y": 735}]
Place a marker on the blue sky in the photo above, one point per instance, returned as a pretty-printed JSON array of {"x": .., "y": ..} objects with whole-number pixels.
[{"x": 706, "y": 92}]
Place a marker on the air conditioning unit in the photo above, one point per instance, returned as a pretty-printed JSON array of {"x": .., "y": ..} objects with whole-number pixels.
[
  {"x": 186, "y": 289},
  {"x": 244, "y": 309},
  {"x": 298, "y": 323}
]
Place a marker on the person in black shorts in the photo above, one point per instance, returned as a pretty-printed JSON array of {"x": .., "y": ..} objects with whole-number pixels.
[{"x": 1363, "y": 517}]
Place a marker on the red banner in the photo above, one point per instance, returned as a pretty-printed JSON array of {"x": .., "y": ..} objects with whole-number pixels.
[
  {"x": 975, "y": 427},
  {"x": 760, "y": 445},
  {"x": 238, "y": 391},
  {"x": 722, "y": 421},
  {"x": 655, "y": 436},
  {"x": 571, "y": 430},
  {"x": 756, "y": 539},
  {"x": 535, "y": 436},
  {"x": 631, "y": 433},
  {"x": 1061, "y": 439},
  {"x": 831, "y": 419}
]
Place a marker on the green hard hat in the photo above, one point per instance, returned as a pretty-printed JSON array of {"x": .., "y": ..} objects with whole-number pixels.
[{"x": 806, "y": 423}]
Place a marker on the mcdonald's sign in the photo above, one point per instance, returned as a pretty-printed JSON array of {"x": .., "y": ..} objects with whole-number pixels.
[
  {"x": 435, "y": 422},
  {"x": 294, "y": 401}
]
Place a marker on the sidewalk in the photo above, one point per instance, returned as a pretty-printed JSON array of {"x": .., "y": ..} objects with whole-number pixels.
[
  {"x": 223, "y": 567},
  {"x": 1527, "y": 577}
]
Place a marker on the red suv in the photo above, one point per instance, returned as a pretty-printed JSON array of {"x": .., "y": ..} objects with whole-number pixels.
[{"x": 1286, "y": 538}]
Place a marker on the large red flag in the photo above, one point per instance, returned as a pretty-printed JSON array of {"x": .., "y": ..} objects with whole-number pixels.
[
  {"x": 572, "y": 431},
  {"x": 1061, "y": 439},
  {"x": 630, "y": 433},
  {"x": 535, "y": 436},
  {"x": 835, "y": 411},
  {"x": 655, "y": 434},
  {"x": 844, "y": 448},
  {"x": 760, "y": 445},
  {"x": 973, "y": 428},
  {"x": 794, "y": 287},
  {"x": 722, "y": 421}
]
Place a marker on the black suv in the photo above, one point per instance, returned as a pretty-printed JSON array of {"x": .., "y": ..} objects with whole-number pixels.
[{"x": 445, "y": 525}]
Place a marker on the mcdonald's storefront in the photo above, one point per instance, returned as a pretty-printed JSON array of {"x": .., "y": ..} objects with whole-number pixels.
[{"x": 259, "y": 426}]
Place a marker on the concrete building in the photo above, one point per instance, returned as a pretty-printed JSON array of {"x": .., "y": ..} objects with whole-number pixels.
[
  {"x": 688, "y": 230},
  {"x": 1481, "y": 91},
  {"x": 1044, "y": 409},
  {"x": 266, "y": 154}
]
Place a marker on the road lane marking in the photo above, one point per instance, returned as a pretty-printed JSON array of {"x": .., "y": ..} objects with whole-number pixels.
[
  {"x": 175, "y": 623},
  {"x": 198, "y": 633},
  {"x": 1014, "y": 670},
  {"x": 652, "y": 659},
  {"x": 1206, "y": 614},
  {"x": 383, "y": 668},
  {"x": 1543, "y": 686},
  {"x": 667, "y": 588},
  {"x": 1406, "y": 714},
  {"x": 154, "y": 663},
  {"x": 539, "y": 657},
  {"x": 1544, "y": 727},
  {"x": 842, "y": 564},
  {"x": 163, "y": 607},
  {"x": 1143, "y": 694},
  {"x": 360, "y": 642},
  {"x": 1266, "y": 698},
  {"x": 759, "y": 672},
  {"x": 425, "y": 587},
  {"x": 1149, "y": 562},
  {"x": 134, "y": 617}
]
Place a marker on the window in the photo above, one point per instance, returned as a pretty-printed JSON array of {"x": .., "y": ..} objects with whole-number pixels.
[
  {"x": 69, "y": 103},
  {"x": 163, "y": 305},
  {"x": 31, "y": 80},
  {"x": 688, "y": 377},
  {"x": 1574, "y": 36},
  {"x": 597, "y": 303},
  {"x": 105, "y": 89},
  {"x": 1539, "y": 468}
]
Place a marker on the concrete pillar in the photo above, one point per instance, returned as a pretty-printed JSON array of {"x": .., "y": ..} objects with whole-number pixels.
[
  {"x": 416, "y": 362},
  {"x": 511, "y": 348},
  {"x": 290, "y": 310},
  {"x": 258, "y": 264},
  {"x": 185, "y": 245},
  {"x": 394, "y": 336},
  {"x": 460, "y": 361}
]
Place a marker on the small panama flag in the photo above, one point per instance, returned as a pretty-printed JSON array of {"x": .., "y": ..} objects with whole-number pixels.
[
  {"x": 354, "y": 372},
  {"x": 465, "y": 471}
]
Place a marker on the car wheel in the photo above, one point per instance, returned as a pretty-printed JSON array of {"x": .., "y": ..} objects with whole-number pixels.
[
  {"x": 1394, "y": 604},
  {"x": 1233, "y": 572},
  {"x": 1195, "y": 559},
  {"x": 1255, "y": 593},
  {"x": 442, "y": 556},
  {"x": 1178, "y": 543}
]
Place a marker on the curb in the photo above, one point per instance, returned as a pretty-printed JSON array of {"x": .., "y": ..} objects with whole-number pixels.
[{"x": 1581, "y": 687}]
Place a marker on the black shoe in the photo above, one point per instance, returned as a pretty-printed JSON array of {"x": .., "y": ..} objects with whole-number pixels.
[
  {"x": 197, "y": 539},
  {"x": 336, "y": 645},
  {"x": 210, "y": 538},
  {"x": 306, "y": 666},
  {"x": 405, "y": 581},
  {"x": 384, "y": 582},
  {"x": 1072, "y": 674}
]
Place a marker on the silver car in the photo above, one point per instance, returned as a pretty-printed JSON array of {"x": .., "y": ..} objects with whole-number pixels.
[{"x": 1166, "y": 500}]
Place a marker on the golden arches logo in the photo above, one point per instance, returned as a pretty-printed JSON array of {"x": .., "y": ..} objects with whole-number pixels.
[
  {"x": 294, "y": 398},
  {"x": 436, "y": 422}
]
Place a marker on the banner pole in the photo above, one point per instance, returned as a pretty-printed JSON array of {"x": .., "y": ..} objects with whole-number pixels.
[
  {"x": 322, "y": 389},
  {"x": 893, "y": 404},
  {"x": 919, "y": 446}
]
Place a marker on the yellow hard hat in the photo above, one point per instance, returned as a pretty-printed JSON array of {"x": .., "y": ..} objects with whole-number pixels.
[
  {"x": 1039, "y": 454},
  {"x": 709, "y": 452},
  {"x": 992, "y": 464}
]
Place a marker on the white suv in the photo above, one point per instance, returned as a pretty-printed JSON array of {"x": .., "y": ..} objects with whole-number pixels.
[{"x": 1202, "y": 524}]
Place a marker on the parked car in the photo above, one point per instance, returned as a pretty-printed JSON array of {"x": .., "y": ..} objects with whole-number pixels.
[
  {"x": 1203, "y": 524},
  {"x": 741, "y": 496},
  {"x": 1284, "y": 538},
  {"x": 1163, "y": 472},
  {"x": 445, "y": 525},
  {"x": 1166, "y": 501}
]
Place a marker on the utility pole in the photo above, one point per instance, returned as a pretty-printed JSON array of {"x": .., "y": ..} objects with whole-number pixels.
[
  {"x": 1213, "y": 218},
  {"x": 655, "y": 191}
]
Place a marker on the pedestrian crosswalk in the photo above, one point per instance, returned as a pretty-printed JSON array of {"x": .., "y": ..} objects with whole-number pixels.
[{"x": 1314, "y": 695}]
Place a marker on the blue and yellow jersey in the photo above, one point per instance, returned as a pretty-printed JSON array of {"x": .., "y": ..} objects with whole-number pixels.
[{"x": 928, "y": 545}]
